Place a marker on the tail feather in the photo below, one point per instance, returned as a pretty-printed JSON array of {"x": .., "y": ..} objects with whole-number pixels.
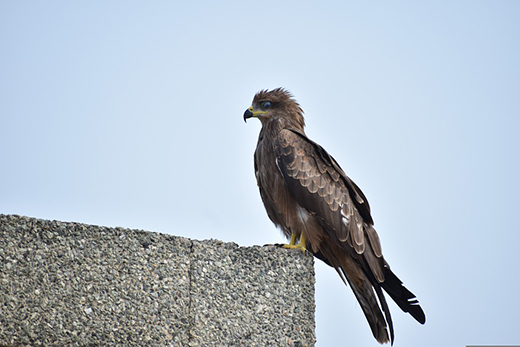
[
  {"x": 404, "y": 298},
  {"x": 386, "y": 310},
  {"x": 365, "y": 287},
  {"x": 367, "y": 300}
]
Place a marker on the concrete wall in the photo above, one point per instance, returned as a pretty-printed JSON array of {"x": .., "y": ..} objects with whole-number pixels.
[{"x": 70, "y": 284}]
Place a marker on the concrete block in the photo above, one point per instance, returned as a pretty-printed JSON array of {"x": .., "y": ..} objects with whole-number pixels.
[{"x": 71, "y": 284}]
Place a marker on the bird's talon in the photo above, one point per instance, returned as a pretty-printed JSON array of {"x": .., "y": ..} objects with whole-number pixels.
[{"x": 298, "y": 246}]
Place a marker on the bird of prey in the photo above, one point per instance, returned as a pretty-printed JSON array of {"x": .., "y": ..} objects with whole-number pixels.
[{"x": 320, "y": 209}]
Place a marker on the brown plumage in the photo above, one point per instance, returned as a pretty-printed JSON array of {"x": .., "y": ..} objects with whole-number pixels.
[{"x": 309, "y": 197}]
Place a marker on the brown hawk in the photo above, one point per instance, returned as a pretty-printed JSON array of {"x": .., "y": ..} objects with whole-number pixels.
[{"x": 315, "y": 204}]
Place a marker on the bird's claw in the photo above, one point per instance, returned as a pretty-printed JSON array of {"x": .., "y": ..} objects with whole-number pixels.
[
  {"x": 297, "y": 246},
  {"x": 287, "y": 246}
]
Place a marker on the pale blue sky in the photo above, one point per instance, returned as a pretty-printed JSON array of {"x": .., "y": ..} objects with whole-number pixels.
[{"x": 124, "y": 113}]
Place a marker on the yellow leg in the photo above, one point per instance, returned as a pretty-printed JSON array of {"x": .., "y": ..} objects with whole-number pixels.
[
  {"x": 293, "y": 239},
  {"x": 292, "y": 244}
]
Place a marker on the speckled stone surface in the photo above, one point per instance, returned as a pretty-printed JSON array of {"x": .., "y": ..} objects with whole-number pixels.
[{"x": 71, "y": 284}]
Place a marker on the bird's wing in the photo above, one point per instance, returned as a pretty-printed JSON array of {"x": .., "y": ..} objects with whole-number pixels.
[{"x": 322, "y": 188}]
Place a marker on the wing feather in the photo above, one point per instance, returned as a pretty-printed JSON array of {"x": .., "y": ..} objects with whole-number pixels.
[
  {"x": 322, "y": 188},
  {"x": 374, "y": 240}
]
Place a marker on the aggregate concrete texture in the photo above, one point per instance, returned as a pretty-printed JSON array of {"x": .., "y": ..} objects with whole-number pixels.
[{"x": 72, "y": 284}]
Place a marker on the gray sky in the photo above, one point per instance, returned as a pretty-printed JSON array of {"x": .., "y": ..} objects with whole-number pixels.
[{"x": 124, "y": 113}]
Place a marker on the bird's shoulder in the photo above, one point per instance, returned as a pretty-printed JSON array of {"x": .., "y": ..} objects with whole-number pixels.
[{"x": 310, "y": 164}]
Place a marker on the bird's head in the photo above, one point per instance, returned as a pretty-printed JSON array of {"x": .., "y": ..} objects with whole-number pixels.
[{"x": 274, "y": 104}]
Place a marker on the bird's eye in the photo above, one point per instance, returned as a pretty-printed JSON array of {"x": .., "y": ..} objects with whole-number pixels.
[{"x": 266, "y": 104}]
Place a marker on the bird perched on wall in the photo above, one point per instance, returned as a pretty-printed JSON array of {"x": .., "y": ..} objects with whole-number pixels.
[{"x": 320, "y": 209}]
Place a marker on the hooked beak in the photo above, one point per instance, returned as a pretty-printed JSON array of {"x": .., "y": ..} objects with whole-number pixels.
[{"x": 250, "y": 112}]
